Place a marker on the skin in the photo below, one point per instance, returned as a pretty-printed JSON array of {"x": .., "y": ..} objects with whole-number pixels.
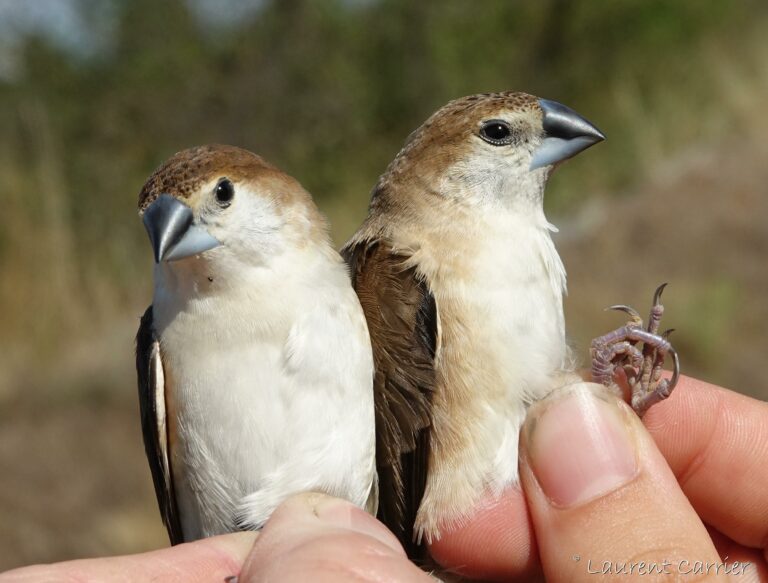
[{"x": 700, "y": 459}]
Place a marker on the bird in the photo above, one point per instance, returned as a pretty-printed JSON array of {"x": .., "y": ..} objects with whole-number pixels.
[
  {"x": 254, "y": 361},
  {"x": 463, "y": 290}
]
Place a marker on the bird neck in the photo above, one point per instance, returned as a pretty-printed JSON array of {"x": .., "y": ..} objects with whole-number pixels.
[{"x": 210, "y": 289}]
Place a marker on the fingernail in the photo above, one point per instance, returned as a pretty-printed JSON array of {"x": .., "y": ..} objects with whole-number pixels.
[
  {"x": 580, "y": 444},
  {"x": 346, "y": 515}
]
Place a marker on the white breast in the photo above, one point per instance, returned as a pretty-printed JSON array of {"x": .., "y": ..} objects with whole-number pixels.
[
  {"x": 517, "y": 284},
  {"x": 499, "y": 297},
  {"x": 269, "y": 390},
  {"x": 505, "y": 283}
]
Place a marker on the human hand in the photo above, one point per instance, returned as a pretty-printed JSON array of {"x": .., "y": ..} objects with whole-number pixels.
[
  {"x": 602, "y": 498},
  {"x": 635, "y": 510},
  {"x": 310, "y": 537}
]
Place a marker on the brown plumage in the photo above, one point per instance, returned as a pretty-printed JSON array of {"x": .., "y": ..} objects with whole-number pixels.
[
  {"x": 462, "y": 288},
  {"x": 183, "y": 173},
  {"x": 155, "y": 440},
  {"x": 440, "y": 141},
  {"x": 402, "y": 321}
]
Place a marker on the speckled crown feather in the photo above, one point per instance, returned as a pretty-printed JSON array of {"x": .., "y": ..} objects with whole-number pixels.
[{"x": 182, "y": 174}]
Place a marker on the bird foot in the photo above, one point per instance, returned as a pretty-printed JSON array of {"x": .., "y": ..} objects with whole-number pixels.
[{"x": 617, "y": 351}]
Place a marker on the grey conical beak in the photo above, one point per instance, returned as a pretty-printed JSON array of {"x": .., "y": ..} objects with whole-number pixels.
[
  {"x": 173, "y": 232},
  {"x": 566, "y": 134}
]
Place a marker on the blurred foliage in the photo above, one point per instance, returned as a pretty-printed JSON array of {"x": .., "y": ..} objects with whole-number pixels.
[{"x": 328, "y": 90}]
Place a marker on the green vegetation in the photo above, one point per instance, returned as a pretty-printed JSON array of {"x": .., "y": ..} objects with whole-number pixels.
[{"x": 328, "y": 90}]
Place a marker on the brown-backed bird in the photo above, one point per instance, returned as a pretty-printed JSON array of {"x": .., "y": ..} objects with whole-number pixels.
[{"x": 462, "y": 288}]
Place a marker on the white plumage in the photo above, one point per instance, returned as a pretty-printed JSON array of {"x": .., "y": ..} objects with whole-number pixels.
[
  {"x": 269, "y": 387},
  {"x": 267, "y": 368}
]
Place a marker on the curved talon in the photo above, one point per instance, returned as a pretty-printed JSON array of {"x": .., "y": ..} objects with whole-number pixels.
[
  {"x": 675, "y": 370},
  {"x": 618, "y": 350},
  {"x": 636, "y": 318}
]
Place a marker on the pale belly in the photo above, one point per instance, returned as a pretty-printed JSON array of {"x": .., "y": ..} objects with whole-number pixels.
[
  {"x": 243, "y": 441},
  {"x": 503, "y": 346}
]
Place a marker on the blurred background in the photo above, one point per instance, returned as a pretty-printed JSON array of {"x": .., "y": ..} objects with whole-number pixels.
[{"x": 94, "y": 94}]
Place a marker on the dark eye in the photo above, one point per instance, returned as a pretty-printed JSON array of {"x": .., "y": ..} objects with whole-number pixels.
[
  {"x": 496, "y": 132},
  {"x": 225, "y": 192}
]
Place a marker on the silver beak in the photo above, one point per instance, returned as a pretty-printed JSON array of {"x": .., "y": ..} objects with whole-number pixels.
[
  {"x": 173, "y": 232},
  {"x": 567, "y": 134}
]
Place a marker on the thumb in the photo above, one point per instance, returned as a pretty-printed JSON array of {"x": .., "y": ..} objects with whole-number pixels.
[
  {"x": 314, "y": 537},
  {"x": 602, "y": 498}
]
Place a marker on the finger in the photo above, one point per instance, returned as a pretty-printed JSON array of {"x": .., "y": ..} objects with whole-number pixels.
[
  {"x": 495, "y": 544},
  {"x": 754, "y": 570},
  {"x": 212, "y": 559},
  {"x": 313, "y": 537},
  {"x": 601, "y": 494},
  {"x": 716, "y": 442}
]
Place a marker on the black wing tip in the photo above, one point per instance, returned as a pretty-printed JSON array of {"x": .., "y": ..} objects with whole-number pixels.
[{"x": 166, "y": 500}]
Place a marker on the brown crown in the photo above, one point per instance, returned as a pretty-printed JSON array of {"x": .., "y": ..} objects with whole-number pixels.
[
  {"x": 450, "y": 127},
  {"x": 183, "y": 173}
]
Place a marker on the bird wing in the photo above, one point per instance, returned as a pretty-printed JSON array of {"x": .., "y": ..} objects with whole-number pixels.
[
  {"x": 149, "y": 368},
  {"x": 403, "y": 324}
]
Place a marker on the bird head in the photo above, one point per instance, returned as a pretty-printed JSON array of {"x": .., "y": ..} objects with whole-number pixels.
[
  {"x": 221, "y": 202},
  {"x": 491, "y": 148}
]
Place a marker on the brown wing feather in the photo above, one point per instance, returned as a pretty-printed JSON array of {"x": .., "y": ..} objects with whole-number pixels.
[
  {"x": 152, "y": 409},
  {"x": 402, "y": 320}
]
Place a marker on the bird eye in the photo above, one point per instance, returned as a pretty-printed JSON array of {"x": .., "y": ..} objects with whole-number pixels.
[
  {"x": 496, "y": 132},
  {"x": 225, "y": 192}
]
